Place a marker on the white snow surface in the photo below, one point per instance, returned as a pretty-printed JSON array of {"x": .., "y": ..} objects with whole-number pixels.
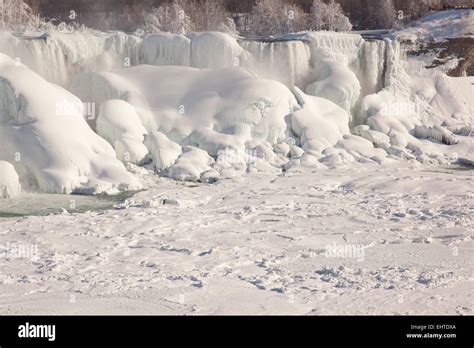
[
  {"x": 440, "y": 25},
  {"x": 360, "y": 239}
]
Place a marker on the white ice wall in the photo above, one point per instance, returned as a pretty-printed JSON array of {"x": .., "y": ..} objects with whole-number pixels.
[{"x": 297, "y": 60}]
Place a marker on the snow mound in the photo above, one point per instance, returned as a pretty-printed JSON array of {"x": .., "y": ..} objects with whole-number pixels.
[
  {"x": 321, "y": 129},
  {"x": 119, "y": 124},
  {"x": 163, "y": 151},
  {"x": 338, "y": 84},
  {"x": 213, "y": 122},
  {"x": 46, "y": 134},
  {"x": 9, "y": 181}
]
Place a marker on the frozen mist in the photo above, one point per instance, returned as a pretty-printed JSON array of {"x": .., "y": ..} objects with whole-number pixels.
[{"x": 311, "y": 173}]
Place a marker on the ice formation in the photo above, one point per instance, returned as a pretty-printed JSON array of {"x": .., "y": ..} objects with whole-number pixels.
[
  {"x": 338, "y": 84},
  {"x": 203, "y": 106},
  {"x": 222, "y": 119},
  {"x": 47, "y": 138},
  {"x": 9, "y": 181}
]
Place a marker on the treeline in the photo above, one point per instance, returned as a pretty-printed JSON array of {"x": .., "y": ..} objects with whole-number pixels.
[{"x": 258, "y": 17}]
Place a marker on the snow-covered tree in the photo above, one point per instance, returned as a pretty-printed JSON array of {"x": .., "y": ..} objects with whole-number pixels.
[
  {"x": 343, "y": 23},
  {"x": 152, "y": 21},
  {"x": 328, "y": 16},
  {"x": 169, "y": 18},
  {"x": 264, "y": 18},
  {"x": 228, "y": 26},
  {"x": 271, "y": 17},
  {"x": 384, "y": 14},
  {"x": 318, "y": 15},
  {"x": 15, "y": 14},
  {"x": 208, "y": 15},
  {"x": 295, "y": 19}
]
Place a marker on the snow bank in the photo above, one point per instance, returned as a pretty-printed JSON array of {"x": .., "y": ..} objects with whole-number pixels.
[
  {"x": 9, "y": 181},
  {"x": 54, "y": 149}
]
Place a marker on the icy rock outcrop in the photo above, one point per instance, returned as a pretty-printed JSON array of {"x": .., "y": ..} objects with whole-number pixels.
[
  {"x": 119, "y": 124},
  {"x": 54, "y": 148},
  {"x": 9, "y": 181},
  {"x": 436, "y": 133}
]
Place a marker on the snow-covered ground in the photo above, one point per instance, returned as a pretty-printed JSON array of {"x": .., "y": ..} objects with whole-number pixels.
[
  {"x": 258, "y": 244},
  {"x": 313, "y": 173},
  {"x": 438, "y": 26}
]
